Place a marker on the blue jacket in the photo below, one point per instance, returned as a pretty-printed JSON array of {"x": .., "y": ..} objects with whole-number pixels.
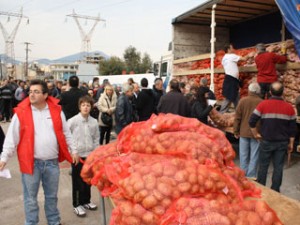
[{"x": 124, "y": 112}]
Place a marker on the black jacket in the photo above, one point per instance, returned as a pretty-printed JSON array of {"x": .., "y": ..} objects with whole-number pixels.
[
  {"x": 123, "y": 113},
  {"x": 145, "y": 104},
  {"x": 6, "y": 92},
  {"x": 174, "y": 102},
  {"x": 157, "y": 95},
  {"x": 69, "y": 101},
  {"x": 200, "y": 111}
]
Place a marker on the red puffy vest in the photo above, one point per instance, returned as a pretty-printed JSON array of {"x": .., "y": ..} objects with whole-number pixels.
[{"x": 26, "y": 144}]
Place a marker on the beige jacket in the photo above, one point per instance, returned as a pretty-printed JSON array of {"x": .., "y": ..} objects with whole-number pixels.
[{"x": 103, "y": 107}]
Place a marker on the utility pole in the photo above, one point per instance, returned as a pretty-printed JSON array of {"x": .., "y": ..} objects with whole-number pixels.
[
  {"x": 26, "y": 63},
  {"x": 86, "y": 37},
  {"x": 0, "y": 69},
  {"x": 9, "y": 38}
]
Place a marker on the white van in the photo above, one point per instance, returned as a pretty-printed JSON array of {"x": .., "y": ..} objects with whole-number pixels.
[{"x": 119, "y": 80}]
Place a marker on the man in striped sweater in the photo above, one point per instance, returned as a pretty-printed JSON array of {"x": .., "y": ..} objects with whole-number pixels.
[{"x": 277, "y": 134}]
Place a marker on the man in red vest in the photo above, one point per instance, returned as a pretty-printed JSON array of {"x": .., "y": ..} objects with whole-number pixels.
[{"x": 40, "y": 134}]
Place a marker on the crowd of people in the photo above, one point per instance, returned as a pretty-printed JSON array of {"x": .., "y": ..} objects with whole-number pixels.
[{"x": 77, "y": 117}]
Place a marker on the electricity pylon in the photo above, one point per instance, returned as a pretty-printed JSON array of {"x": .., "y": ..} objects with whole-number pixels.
[
  {"x": 86, "y": 37},
  {"x": 9, "y": 38}
]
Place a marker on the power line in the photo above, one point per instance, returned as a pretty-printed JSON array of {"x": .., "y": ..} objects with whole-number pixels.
[
  {"x": 58, "y": 7},
  {"x": 19, "y": 6}
]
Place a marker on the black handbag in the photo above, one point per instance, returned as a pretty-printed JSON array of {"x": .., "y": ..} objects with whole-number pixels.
[{"x": 106, "y": 118}]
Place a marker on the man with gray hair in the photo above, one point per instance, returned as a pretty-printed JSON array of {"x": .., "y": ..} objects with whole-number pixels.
[
  {"x": 248, "y": 145},
  {"x": 266, "y": 68},
  {"x": 124, "y": 110}
]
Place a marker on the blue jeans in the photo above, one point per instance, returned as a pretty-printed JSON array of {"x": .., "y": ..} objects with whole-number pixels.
[
  {"x": 249, "y": 156},
  {"x": 276, "y": 152},
  {"x": 46, "y": 172}
]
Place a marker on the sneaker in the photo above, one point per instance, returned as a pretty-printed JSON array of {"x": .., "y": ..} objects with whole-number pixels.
[
  {"x": 80, "y": 211},
  {"x": 90, "y": 206}
]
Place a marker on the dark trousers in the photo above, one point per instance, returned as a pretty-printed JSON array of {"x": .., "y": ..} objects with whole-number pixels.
[
  {"x": 104, "y": 133},
  {"x": 276, "y": 152},
  {"x": 2, "y": 137},
  {"x": 265, "y": 90},
  {"x": 81, "y": 190},
  {"x": 6, "y": 109}
]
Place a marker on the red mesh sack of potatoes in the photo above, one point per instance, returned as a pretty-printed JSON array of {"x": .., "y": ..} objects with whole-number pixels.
[
  {"x": 173, "y": 134},
  {"x": 129, "y": 213},
  {"x": 152, "y": 180},
  {"x": 196, "y": 211},
  {"x": 93, "y": 168}
]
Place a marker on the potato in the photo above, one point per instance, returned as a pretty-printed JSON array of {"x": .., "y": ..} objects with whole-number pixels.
[
  {"x": 138, "y": 186},
  {"x": 193, "y": 179},
  {"x": 149, "y": 150},
  {"x": 157, "y": 169},
  {"x": 150, "y": 181},
  {"x": 200, "y": 179},
  {"x": 160, "y": 148},
  {"x": 261, "y": 208},
  {"x": 242, "y": 221},
  {"x": 158, "y": 210},
  {"x": 232, "y": 217},
  {"x": 149, "y": 202},
  {"x": 166, "y": 202},
  {"x": 145, "y": 170},
  {"x": 182, "y": 203},
  {"x": 165, "y": 189},
  {"x": 149, "y": 218},
  {"x": 181, "y": 176},
  {"x": 138, "y": 210},
  {"x": 195, "y": 189},
  {"x": 168, "y": 180},
  {"x": 158, "y": 195},
  {"x": 198, "y": 210},
  {"x": 189, "y": 211},
  {"x": 169, "y": 170},
  {"x": 139, "y": 196},
  {"x": 268, "y": 218},
  {"x": 126, "y": 208},
  {"x": 176, "y": 194},
  {"x": 208, "y": 185},
  {"x": 184, "y": 187},
  {"x": 220, "y": 185},
  {"x": 132, "y": 220}
]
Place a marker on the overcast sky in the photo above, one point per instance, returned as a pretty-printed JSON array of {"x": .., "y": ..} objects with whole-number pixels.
[{"x": 143, "y": 24}]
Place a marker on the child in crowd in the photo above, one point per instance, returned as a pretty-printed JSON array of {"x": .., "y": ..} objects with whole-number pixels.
[{"x": 85, "y": 132}]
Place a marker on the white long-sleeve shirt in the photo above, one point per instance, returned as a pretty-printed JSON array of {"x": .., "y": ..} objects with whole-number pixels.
[
  {"x": 85, "y": 132},
  {"x": 45, "y": 141},
  {"x": 229, "y": 63}
]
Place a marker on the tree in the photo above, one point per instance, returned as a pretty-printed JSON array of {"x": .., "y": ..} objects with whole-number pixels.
[
  {"x": 132, "y": 59},
  {"x": 112, "y": 66},
  {"x": 146, "y": 64}
]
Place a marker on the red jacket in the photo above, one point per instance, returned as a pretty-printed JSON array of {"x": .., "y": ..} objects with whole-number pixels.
[
  {"x": 26, "y": 144},
  {"x": 266, "y": 63}
]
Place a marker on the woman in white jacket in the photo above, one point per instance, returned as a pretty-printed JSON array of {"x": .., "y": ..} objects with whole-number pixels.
[{"x": 107, "y": 104}]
